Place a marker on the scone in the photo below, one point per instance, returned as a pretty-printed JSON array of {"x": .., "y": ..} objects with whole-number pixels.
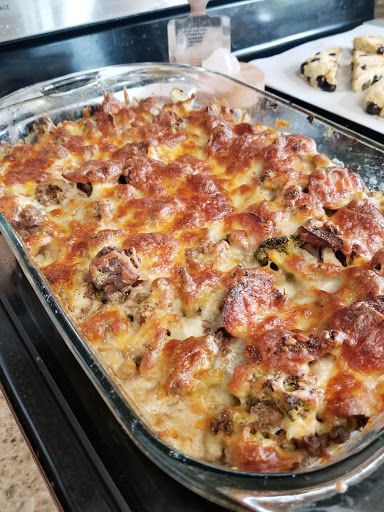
[
  {"x": 374, "y": 100},
  {"x": 369, "y": 44},
  {"x": 366, "y": 69},
  {"x": 320, "y": 69}
]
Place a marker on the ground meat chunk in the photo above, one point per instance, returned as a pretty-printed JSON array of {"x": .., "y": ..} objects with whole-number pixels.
[
  {"x": 338, "y": 435},
  {"x": 316, "y": 444},
  {"x": 222, "y": 423},
  {"x": 267, "y": 414},
  {"x": 321, "y": 236},
  {"x": 357, "y": 228},
  {"x": 95, "y": 171},
  {"x": 284, "y": 349},
  {"x": 313, "y": 444},
  {"x": 30, "y": 219},
  {"x": 112, "y": 272},
  {"x": 48, "y": 194}
]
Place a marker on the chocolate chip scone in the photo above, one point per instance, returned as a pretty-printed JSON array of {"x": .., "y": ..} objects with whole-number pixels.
[
  {"x": 374, "y": 100},
  {"x": 366, "y": 69},
  {"x": 320, "y": 70},
  {"x": 369, "y": 44}
]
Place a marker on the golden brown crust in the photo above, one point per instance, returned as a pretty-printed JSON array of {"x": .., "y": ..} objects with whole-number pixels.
[{"x": 228, "y": 276}]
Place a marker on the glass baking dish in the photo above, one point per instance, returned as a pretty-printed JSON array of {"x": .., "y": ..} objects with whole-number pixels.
[{"x": 64, "y": 98}]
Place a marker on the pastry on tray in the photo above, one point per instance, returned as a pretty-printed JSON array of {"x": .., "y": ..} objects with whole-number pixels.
[
  {"x": 369, "y": 44},
  {"x": 366, "y": 69},
  {"x": 374, "y": 100},
  {"x": 320, "y": 70}
]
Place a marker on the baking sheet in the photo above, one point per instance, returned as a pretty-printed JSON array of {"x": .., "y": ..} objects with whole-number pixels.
[{"x": 282, "y": 74}]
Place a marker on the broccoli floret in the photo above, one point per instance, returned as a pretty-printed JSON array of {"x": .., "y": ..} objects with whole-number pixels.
[
  {"x": 100, "y": 295},
  {"x": 261, "y": 256},
  {"x": 291, "y": 383},
  {"x": 290, "y": 277},
  {"x": 297, "y": 241},
  {"x": 277, "y": 243},
  {"x": 295, "y": 407}
]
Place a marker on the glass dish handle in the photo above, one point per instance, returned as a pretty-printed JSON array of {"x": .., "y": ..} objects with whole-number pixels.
[
  {"x": 68, "y": 84},
  {"x": 306, "y": 499},
  {"x": 289, "y": 501}
]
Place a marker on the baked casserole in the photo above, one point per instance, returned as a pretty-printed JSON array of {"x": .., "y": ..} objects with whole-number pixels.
[{"x": 229, "y": 276}]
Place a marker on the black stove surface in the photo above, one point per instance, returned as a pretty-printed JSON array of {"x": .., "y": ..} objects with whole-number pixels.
[{"x": 87, "y": 457}]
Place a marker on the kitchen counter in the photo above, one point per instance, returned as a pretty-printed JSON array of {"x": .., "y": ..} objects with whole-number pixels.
[{"x": 22, "y": 487}]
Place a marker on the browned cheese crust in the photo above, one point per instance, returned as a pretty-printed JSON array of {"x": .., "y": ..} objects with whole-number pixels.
[{"x": 229, "y": 277}]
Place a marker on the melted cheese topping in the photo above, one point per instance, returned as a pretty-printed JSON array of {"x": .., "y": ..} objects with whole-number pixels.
[{"x": 203, "y": 261}]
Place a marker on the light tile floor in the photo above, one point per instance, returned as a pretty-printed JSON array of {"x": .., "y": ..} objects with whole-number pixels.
[{"x": 22, "y": 488}]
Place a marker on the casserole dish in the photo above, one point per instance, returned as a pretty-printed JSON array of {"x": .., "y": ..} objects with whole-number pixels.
[{"x": 65, "y": 99}]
